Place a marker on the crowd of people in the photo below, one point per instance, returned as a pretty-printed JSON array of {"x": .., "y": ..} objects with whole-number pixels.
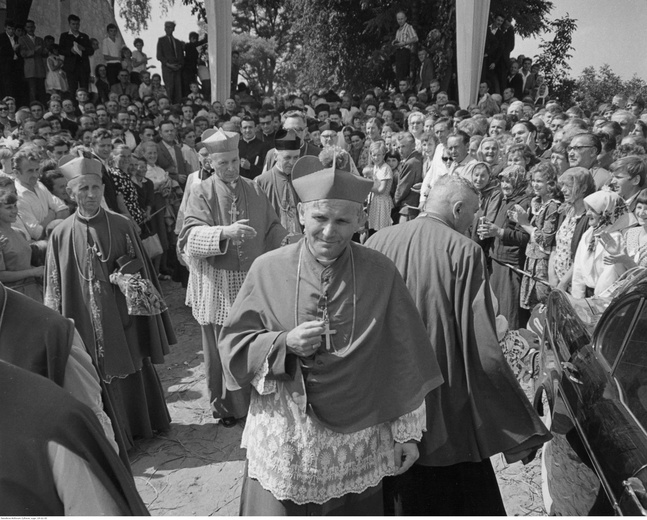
[{"x": 347, "y": 255}]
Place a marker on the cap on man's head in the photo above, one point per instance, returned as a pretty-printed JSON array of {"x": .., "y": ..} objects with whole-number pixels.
[
  {"x": 332, "y": 97},
  {"x": 169, "y": 23},
  {"x": 74, "y": 167},
  {"x": 322, "y": 107},
  {"x": 287, "y": 140},
  {"x": 220, "y": 141},
  {"x": 313, "y": 182}
]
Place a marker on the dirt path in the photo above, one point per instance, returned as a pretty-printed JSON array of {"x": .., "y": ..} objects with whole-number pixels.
[{"x": 196, "y": 469}]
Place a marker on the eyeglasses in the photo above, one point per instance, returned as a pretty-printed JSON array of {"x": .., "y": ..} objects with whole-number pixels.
[
  {"x": 329, "y": 136},
  {"x": 446, "y": 159},
  {"x": 3, "y": 109},
  {"x": 579, "y": 148}
]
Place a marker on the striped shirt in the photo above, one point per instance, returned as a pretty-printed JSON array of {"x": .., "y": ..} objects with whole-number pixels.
[{"x": 406, "y": 33}]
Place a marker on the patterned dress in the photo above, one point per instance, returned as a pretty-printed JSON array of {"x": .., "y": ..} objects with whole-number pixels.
[
  {"x": 380, "y": 205},
  {"x": 563, "y": 259},
  {"x": 538, "y": 251}
]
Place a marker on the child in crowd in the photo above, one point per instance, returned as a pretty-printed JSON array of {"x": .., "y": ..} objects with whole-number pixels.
[{"x": 195, "y": 95}]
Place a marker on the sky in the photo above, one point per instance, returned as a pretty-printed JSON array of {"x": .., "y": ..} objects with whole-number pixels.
[{"x": 608, "y": 32}]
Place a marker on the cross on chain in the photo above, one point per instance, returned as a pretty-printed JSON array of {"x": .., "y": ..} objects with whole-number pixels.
[{"x": 327, "y": 330}]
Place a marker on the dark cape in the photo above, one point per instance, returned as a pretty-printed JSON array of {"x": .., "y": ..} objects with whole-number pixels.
[
  {"x": 122, "y": 346},
  {"x": 480, "y": 409},
  {"x": 385, "y": 372},
  {"x": 37, "y": 411},
  {"x": 43, "y": 350},
  {"x": 277, "y": 186}
]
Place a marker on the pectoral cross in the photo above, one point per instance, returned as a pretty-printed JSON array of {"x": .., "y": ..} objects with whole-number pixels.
[
  {"x": 233, "y": 213},
  {"x": 327, "y": 330}
]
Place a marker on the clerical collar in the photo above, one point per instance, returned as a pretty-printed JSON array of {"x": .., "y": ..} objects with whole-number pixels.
[
  {"x": 87, "y": 219},
  {"x": 326, "y": 263}
]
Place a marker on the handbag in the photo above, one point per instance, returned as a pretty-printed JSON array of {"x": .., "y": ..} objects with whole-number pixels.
[{"x": 152, "y": 246}]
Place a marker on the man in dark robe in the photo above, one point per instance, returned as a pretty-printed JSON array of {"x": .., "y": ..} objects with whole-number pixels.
[
  {"x": 84, "y": 254},
  {"x": 277, "y": 182},
  {"x": 339, "y": 365},
  {"x": 53, "y": 350},
  {"x": 228, "y": 223},
  {"x": 55, "y": 458},
  {"x": 480, "y": 410},
  {"x": 296, "y": 121},
  {"x": 251, "y": 149}
]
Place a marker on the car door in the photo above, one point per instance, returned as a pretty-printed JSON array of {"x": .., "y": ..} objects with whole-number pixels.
[{"x": 572, "y": 486}]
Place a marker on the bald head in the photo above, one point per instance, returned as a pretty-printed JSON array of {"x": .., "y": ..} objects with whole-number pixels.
[{"x": 455, "y": 200}]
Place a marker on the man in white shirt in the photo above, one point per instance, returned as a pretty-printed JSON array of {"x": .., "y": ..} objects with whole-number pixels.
[
  {"x": 37, "y": 207},
  {"x": 111, "y": 50}
]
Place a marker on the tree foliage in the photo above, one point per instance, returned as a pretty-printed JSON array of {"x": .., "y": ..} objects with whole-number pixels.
[
  {"x": 555, "y": 53},
  {"x": 595, "y": 87},
  {"x": 341, "y": 43}
]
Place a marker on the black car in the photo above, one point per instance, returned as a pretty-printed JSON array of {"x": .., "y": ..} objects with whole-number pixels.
[{"x": 591, "y": 389}]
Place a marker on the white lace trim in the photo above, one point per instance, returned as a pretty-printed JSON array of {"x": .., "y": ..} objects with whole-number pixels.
[
  {"x": 204, "y": 241},
  {"x": 298, "y": 459},
  {"x": 210, "y": 292}
]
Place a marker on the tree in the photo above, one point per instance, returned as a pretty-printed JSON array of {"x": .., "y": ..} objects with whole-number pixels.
[
  {"x": 595, "y": 87},
  {"x": 348, "y": 43},
  {"x": 263, "y": 36},
  {"x": 555, "y": 53}
]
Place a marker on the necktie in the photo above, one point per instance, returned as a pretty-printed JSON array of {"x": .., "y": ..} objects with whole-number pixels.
[{"x": 170, "y": 39}]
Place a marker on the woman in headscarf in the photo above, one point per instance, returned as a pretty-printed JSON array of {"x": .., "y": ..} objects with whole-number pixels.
[
  {"x": 490, "y": 200},
  {"x": 608, "y": 214},
  {"x": 631, "y": 251},
  {"x": 509, "y": 245}
]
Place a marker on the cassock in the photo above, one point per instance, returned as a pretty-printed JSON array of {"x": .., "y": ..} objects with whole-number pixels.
[
  {"x": 254, "y": 151},
  {"x": 55, "y": 458},
  {"x": 278, "y": 188},
  {"x": 217, "y": 268},
  {"x": 321, "y": 429},
  {"x": 81, "y": 256},
  {"x": 480, "y": 409}
]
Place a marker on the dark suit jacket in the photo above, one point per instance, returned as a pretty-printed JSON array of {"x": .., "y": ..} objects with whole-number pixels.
[
  {"x": 73, "y": 62},
  {"x": 493, "y": 47},
  {"x": 33, "y": 52},
  {"x": 165, "y": 161},
  {"x": 6, "y": 54},
  {"x": 191, "y": 56},
  {"x": 426, "y": 74},
  {"x": 516, "y": 82},
  {"x": 165, "y": 53},
  {"x": 531, "y": 83},
  {"x": 411, "y": 173},
  {"x": 131, "y": 89}
]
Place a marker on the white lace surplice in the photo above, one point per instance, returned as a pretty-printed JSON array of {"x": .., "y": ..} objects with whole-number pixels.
[
  {"x": 210, "y": 292},
  {"x": 296, "y": 458}
]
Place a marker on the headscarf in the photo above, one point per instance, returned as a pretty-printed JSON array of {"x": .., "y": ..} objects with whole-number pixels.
[
  {"x": 517, "y": 176},
  {"x": 614, "y": 214}
]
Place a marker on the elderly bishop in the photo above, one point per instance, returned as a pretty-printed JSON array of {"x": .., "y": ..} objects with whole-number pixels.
[{"x": 228, "y": 223}]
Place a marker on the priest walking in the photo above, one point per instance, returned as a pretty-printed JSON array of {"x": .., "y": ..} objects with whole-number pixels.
[
  {"x": 480, "y": 410},
  {"x": 339, "y": 365},
  {"x": 228, "y": 223}
]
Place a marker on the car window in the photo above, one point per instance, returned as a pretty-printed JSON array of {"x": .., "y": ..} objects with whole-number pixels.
[
  {"x": 615, "y": 329},
  {"x": 631, "y": 370}
]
